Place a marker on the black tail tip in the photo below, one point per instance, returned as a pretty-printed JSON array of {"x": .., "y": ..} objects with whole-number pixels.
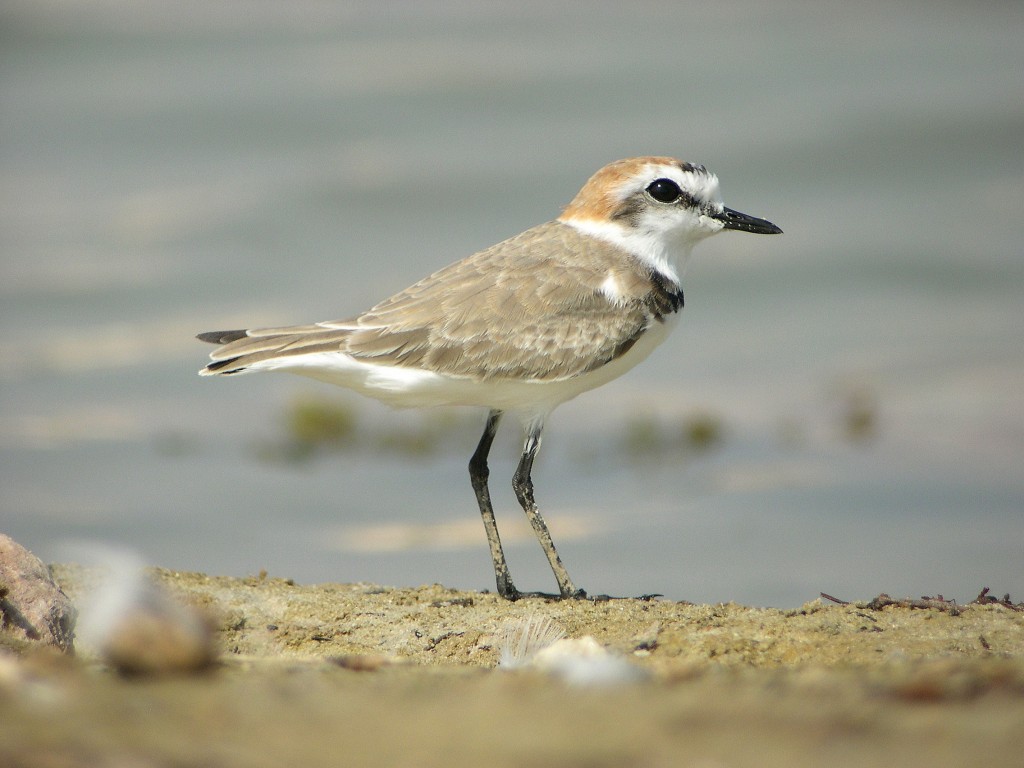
[
  {"x": 221, "y": 337},
  {"x": 220, "y": 365}
]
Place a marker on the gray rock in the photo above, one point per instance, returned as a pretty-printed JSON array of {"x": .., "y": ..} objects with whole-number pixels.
[{"x": 32, "y": 606}]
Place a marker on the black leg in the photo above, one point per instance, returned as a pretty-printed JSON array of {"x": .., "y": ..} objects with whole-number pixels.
[
  {"x": 478, "y": 474},
  {"x": 523, "y": 486}
]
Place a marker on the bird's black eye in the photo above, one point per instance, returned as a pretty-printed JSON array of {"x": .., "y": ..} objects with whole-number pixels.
[{"x": 664, "y": 190}]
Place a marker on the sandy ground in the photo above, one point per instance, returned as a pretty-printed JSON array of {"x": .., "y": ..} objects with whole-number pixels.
[{"x": 362, "y": 675}]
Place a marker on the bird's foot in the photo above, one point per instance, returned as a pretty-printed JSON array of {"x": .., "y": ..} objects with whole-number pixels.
[
  {"x": 643, "y": 598},
  {"x": 510, "y": 593}
]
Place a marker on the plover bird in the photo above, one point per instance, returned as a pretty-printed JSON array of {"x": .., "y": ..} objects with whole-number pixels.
[{"x": 521, "y": 326}]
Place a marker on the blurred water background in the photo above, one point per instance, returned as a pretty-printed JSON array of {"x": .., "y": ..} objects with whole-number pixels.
[{"x": 840, "y": 408}]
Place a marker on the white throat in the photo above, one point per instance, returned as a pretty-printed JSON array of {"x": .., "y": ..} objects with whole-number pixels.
[{"x": 668, "y": 258}]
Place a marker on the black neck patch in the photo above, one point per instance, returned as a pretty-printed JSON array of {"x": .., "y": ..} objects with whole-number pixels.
[{"x": 666, "y": 296}]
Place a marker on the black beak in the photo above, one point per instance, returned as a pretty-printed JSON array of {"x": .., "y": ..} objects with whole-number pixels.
[{"x": 744, "y": 223}]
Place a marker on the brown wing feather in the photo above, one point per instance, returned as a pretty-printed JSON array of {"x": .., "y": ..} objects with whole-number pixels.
[{"x": 529, "y": 307}]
